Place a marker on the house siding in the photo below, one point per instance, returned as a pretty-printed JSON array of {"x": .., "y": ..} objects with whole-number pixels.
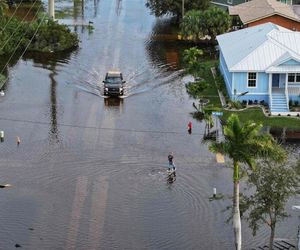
[
  {"x": 290, "y": 62},
  {"x": 226, "y": 74},
  {"x": 279, "y": 20},
  {"x": 259, "y": 93}
]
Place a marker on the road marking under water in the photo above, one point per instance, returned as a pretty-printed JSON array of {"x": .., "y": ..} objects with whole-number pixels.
[
  {"x": 97, "y": 213},
  {"x": 220, "y": 158},
  {"x": 79, "y": 198}
]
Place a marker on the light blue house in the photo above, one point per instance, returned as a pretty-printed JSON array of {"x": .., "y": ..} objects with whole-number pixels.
[{"x": 264, "y": 62}]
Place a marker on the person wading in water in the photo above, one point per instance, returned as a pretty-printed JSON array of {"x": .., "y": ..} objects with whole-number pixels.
[{"x": 171, "y": 162}]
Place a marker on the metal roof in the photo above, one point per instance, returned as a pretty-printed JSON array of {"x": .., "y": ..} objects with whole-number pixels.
[
  {"x": 259, "y": 47},
  {"x": 258, "y": 9}
]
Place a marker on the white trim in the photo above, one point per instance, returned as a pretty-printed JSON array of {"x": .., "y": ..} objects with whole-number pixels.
[
  {"x": 246, "y": 70},
  {"x": 222, "y": 4},
  {"x": 229, "y": 83},
  {"x": 285, "y": 113},
  {"x": 294, "y": 82},
  {"x": 256, "y": 80},
  {"x": 253, "y": 93},
  {"x": 270, "y": 89},
  {"x": 233, "y": 83}
]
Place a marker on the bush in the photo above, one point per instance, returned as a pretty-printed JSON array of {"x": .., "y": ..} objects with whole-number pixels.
[
  {"x": 291, "y": 103},
  {"x": 296, "y": 103},
  {"x": 51, "y": 36},
  {"x": 244, "y": 102},
  {"x": 196, "y": 88},
  {"x": 250, "y": 102},
  {"x": 236, "y": 104},
  {"x": 262, "y": 102}
]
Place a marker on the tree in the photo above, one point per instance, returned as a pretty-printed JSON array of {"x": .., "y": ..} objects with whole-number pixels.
[
  {"x": 243, "y": 144},
  {"x": 174, "y": 7},
  {"x": 3, "y": 7},
  {"x": 274, "y": 185},
  {"x": 197, "y": 24},
  {"x": 192, "y": 57},
  {"x": 191, "y": 25}
]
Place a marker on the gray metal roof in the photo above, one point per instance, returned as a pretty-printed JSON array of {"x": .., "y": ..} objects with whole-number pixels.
[{"x": 259, "y": 47}]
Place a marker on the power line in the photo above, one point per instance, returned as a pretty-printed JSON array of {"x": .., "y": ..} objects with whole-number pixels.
[
  {"x": 99, "y": 128},
  {"x": 19, "y": 25},
  {"x": 11, "y": 17},
  {"x": 21, "y": 41}
]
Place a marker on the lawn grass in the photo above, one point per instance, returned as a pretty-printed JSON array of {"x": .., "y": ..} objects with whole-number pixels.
[{"x": 255, "y": 114}]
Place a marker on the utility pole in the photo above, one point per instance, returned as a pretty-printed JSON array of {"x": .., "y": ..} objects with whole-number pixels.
[
  {"x": 51, "y": 9},
  {"x": 182, "y": 9},
  {"x": 298, "y": 208}
]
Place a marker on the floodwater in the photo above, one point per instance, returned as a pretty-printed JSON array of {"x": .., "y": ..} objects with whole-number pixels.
[{"x": 90, "y": 172}]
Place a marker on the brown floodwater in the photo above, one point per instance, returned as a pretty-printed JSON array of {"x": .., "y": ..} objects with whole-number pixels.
[{"x": 90, "y": 172}]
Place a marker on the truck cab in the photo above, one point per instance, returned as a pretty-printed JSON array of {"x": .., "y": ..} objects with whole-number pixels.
[{"x": 114, "y": 84}]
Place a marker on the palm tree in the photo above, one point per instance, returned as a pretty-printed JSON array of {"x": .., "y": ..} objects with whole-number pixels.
[
  {"x": 243, "y": 144},
  {"x": 192, "y": 57},
  {"x": 3, "y": 7}
]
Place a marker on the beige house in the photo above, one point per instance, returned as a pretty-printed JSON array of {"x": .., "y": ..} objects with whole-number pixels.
[{"x": 257, "y": 12}]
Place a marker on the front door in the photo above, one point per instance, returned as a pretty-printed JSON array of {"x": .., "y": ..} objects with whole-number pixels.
[{"x": 275, "y": 80}]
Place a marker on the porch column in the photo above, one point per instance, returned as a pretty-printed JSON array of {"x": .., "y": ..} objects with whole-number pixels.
[
  {"x": 286, "y": 83},
  {"x": 270, "y": 90},
  {"x": 51, "y": 9},
  {"x": 270, "y": 83}
]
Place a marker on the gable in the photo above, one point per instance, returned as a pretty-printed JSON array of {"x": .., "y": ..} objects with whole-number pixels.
[{"x": 290, "y": 62}]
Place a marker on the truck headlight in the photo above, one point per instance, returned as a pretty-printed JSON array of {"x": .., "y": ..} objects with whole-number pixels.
[
  {"x": 106, "y": 89},
  {"x": 121, "y": 89}
]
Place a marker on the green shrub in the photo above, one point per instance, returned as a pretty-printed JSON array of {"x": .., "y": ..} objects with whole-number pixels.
[
  {"x": 235, "y": 104},
  {"x": 196, "y": 88},
  {"x": 51, "y": 36}
]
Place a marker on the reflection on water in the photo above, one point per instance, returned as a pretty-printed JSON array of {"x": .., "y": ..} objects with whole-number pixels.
[
  {"x": 53, "y": 106},
  {"x": 113, "y": 101},
  {"x": 285, "y": 135}
]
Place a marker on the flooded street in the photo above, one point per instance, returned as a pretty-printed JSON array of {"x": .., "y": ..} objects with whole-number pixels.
[{"x": 90, "y": 172}]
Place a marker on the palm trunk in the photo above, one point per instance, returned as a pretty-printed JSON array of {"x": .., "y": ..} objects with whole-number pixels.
[
  {"x": 272, "y": 237},
  {"x": 236, "y": 208}
]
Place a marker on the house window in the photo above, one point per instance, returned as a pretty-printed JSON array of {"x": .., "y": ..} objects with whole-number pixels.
[
  {"x": 291, "y": 78},
  {"x": 294, "y": 78},
  {"x": 251, "y": 80}
]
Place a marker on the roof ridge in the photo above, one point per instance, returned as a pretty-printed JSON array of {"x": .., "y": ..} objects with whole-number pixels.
[
  {"x": 278, "y": 43},
  {"x": 271, "y": 5}
]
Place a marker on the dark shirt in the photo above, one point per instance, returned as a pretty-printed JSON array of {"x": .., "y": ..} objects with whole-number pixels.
[{"x": 170, "y": 158}]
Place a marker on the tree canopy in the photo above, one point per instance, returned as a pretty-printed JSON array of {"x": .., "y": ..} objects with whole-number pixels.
[
  {"x": 3, "y": 7},
  {"x": 50, "y": 36},
  {"x": 197, "y": 24},
  {"x": 174, "y": 7},
  {"x": 274, "y": 185},
  {"x": 244, "y": 144}
]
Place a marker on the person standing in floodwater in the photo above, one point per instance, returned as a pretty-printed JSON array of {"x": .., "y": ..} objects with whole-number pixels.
[
  {"x": 190, "y": 127},
  {"x": 171, "y": 162}
]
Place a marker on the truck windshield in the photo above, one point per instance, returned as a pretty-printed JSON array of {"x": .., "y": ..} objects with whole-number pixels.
[{"x": 113, "y": 80}]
